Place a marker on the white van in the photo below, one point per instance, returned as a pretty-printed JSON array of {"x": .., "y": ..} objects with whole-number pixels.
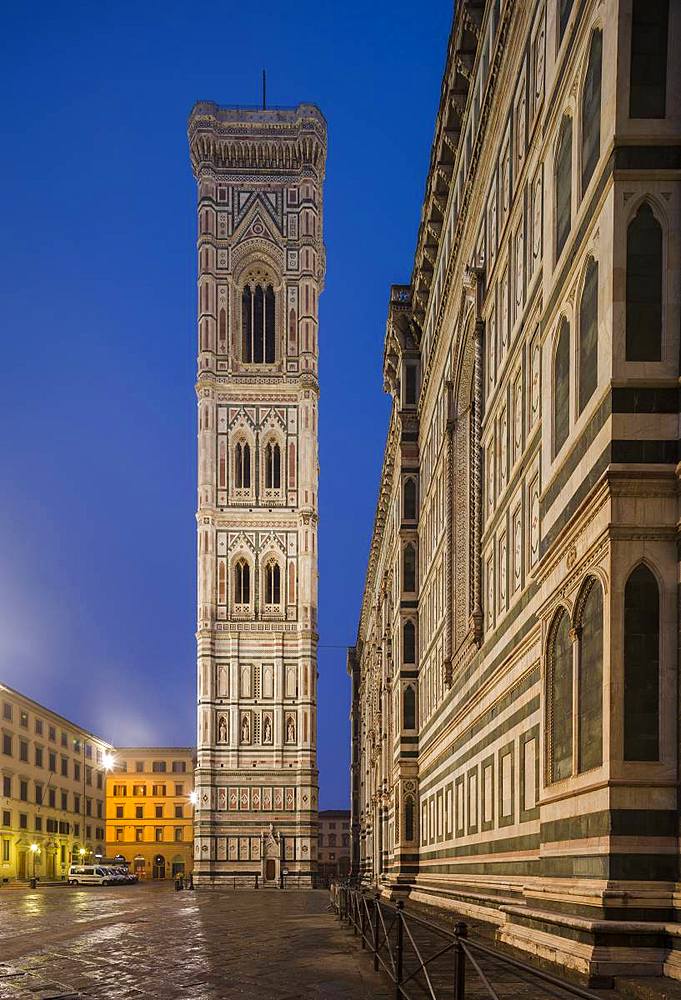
[{"x": 90, "y": 875}]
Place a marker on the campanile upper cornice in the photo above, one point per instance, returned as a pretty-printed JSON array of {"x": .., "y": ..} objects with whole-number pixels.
[{"x": 288, "y": 140}]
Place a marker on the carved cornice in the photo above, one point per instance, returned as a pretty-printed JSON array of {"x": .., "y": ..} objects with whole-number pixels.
[{"x": 278, "y": 139}]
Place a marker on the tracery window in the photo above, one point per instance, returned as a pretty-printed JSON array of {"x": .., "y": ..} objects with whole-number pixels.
[
  {"x": 648, "y": 74},
  {"x": 409, "y": 569},
  {"x": 242, "y": 465},
  {"x": 272, "y": 466},
  {"x": 409, "y": 707},
  {"x": 644, "y": 287},
  {"x": 258, "y": 324},
  {"x": 242, "y": 582},
  {"x": 560, "y": 698},
  {"x": 591, "y": 110},
  {"x": 588, "y": 335},
  {"x": 641, "y": 666},
  {"x": 563, "y": 185},
  {"x": 561, "y": 388},
  {"x": 409, "y": 642},
  {"x": 410, "y": 500},
  {"x": 272, "y": 583}
]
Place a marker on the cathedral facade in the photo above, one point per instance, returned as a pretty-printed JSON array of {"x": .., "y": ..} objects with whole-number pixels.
[
  {"x": 260, "y": 272},
  {"x": 515, "y": 677}
]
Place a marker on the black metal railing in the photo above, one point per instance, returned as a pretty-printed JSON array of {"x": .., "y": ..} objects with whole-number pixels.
[{"x": 400, "y": 940}]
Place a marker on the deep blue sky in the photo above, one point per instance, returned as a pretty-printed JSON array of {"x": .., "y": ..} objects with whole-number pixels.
[{"x": 97, "y": 318}]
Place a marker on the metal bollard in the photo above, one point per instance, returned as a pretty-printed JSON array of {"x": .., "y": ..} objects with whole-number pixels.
[
  {"x": 461, "y": 932},
  {"x": 399, "y": 949}
]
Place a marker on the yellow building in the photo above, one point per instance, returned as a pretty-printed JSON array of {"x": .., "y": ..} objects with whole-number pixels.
[
  {"x": 149, "y": 810},
  {"x": 52, "y": 787}
]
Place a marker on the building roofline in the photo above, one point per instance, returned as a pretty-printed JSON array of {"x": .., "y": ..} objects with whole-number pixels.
[
  {"x": 191, "y": 750},
  {"x": 62, "y": 718}
]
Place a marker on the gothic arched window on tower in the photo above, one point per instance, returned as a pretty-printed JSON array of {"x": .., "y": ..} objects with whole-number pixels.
[
  {"x": 272, "y": 466},
  {"x": 410, "y": 500},
  {"x": 272, "y": 583},
  {"x": 242, "y": 582},
  {"x": 561, "y": 388},
  {"x": 409, "y": 569},
  {"x": 563, "y": 185},
  {"x": 591, "y": 110},
  {"x": 641, "y": 666},
  {"x": 644, "y": 287},
  {"x": 588, "y": 335},
  {"x": 258, "y": 324},
  {"x": 242, "y": 466}
]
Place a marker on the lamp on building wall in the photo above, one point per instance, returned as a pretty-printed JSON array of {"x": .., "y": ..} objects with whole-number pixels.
[
  {"x": 108, "y": 761},
  {"x": 35, "y": 850}
]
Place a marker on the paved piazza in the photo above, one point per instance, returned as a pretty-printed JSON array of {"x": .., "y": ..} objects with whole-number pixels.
[{"x": 150, "y": 941}]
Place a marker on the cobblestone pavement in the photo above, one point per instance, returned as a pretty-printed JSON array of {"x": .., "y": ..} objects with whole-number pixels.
[{"x": 114, "y": 943}]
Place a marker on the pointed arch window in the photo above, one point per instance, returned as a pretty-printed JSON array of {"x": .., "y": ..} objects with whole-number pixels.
[
  {"x": 272, "y": 583},
  {"x": 409, "y": 569},
  {"x": 409, "y": 819},
  {"x": 242, "y": 582},
  {"x": 409, "y": 707},
  {"x": 561, "y": 388},
  {"x": 409, "y": 643},
  {"x": 648, "y": 74},
  {"x": 560, "y": 698},
  {"x": 641, "y": 666},
  {"x": 258, "y": 324},
  {"x": 242, "y": 465},
  {"x": 410, "y": 500},
  {"x": 644, "y": 287},
  {"x": 590, "y": 680},
  {"x": 591, "y": 110},
  {"x": 563, "y": 185},
  {"x": 272, "y": 466},
  {"x": 588, "y": 335}
]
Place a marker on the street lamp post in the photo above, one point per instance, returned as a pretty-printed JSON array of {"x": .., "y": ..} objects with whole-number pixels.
[{"x": 35, "y": 850}]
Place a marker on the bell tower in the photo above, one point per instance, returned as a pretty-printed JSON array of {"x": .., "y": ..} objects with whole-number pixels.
[{"x": 260, "y": 273}]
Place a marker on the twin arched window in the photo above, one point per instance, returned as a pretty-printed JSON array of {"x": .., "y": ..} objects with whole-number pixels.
[
  {"x": 242, "y": 465},
  {"x": 644, "y": 287},
  {"x": 258, "y": 324},
  {"x": 272, "y": 583},
  {"x": 575, "y": 690},
  {"x": 242, "y": 582},
  {"x": 272, "y": 466}
]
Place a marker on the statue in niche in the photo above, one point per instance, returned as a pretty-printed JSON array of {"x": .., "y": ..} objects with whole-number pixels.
[
  {"x": 222, "y": 729},
  {"x": 245, "y": 729},
  {"x": 267, "y": 730},
  {"x": 290, "y": 730}
]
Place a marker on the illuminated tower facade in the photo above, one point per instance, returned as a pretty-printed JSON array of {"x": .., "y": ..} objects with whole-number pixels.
[{"x": 260, "y": 272}]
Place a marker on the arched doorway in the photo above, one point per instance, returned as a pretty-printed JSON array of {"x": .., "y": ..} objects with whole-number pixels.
[
  {"x": 159, "y": 867},
  {"x": 270, "y": 870}
]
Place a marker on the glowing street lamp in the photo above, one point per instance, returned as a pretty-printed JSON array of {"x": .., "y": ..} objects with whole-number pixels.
[
  {"x": 82, "y": 853},
  {"x": 35, "y": 850},
  {"x": 108, "y": 760}
]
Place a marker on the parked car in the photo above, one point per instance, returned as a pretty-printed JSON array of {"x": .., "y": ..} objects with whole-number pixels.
[{"x": 90, "y": 875}]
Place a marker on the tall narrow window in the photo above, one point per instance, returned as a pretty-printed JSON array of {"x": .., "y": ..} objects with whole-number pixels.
[
  {"x": 409, "y": 707},
  {"x": 590, "y": 684},
  {"x": 563, "y": 185},
  {"x": 560, "y": 698},
  {"x": 246, "y": 323},
  {"x": 410, "y": 385},
  {"x": 409, "y": 819},
  {"x": 588, "y": 335},
  {"x": 409, "y": 642},
  {"x": 409, "y": 569},
  {"x": 272, "y": 583},
  {"x": 644, "y": 287},
  {"x": 591, "y": 110},
  {"x": 242, "y": 466},
  {"x": 564, "y": 11},
  {"x": 648, "y": 75},
  {"x": 272, "y": 466},
  {"x": 242, "y": 582},
  {"x": 258, "y": 324},
  {"x": 410, "y": 500},
  {"x": 641, "y": 666},
  {"x": 561, "y": 388}
]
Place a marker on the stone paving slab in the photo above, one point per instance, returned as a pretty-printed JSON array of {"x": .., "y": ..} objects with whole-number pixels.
[{"x": 141, "y": 942}]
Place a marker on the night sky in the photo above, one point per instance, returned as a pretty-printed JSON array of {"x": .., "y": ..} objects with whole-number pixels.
[{"x": 97, "y": 318}]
